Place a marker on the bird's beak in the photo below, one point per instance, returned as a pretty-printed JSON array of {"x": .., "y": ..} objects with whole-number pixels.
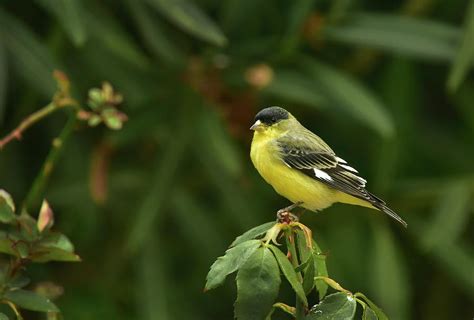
[{"x": 256, "y": 125}]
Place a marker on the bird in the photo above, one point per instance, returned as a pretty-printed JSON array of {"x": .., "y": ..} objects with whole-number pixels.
[{"x": 301, "y": 167}]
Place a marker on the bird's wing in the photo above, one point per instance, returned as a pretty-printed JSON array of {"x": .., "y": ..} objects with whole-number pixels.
[
  {"x": 310, "y": 155},
  {"x": 319, "y": 162}
]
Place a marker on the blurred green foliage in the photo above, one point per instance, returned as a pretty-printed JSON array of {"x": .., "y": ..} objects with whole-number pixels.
[{"x": 385, "y": 83}]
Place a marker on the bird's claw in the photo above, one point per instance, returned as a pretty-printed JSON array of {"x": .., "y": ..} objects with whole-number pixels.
[{"x": 285, "y": 216}]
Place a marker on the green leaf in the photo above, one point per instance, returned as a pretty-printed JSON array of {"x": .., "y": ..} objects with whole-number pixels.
[
  {"x": 297, "y": 17},
  {"x": 253, "y": 233},
  {"x": 295, "y": 87},
  {"x": 350, "y": 96},
  {"x": 258, "y": 282},
  {"x": 290, "y": 274},
  {"x": 369, "y": 314},
  {"x": 190, "y": 18},
  {"x": 336, "y": 306},
  {"x": 117, "y": 41},
  {"x": 303, "y": 250},
  {"x": 450, "y": 217},
  {"x": 112, "y": 119},
  {"x": 69, "y": 14},
  {"x": 7, "y": 207},
  {"x": 188, "y": 212},
  {"x": 380, "y": 314},
  {"x": 216, "y": 140},
  {"x": 166, "y": 166},
  {"x": 397, "y": 34},
  {"x": 309, "y": 274},
  {"x": 6, "y": 246},
  {"x": 465, "y": 55},
  {"x": 45, "y": 254},
  {"x": 31, "y": 59},
  {"x": 153, "y": 283},
  {"x": 233, "y": 259},
  {"x": 389, "y": 277},
  {"x": 153, "y": 33},
  {"x": 30, "y": 300},
  {"x": 3, "y": 316},
  {"x": 321, "y": 270},
  {"x": 57, "y": 240},
  {"x": 18, "y": 281}
]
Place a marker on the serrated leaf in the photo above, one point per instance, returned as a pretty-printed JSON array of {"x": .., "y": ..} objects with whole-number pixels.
[
  {"x": 253, "y": 233},
  {"x": 465, "y": 55},
  {"x": 369, "y": 314},
  {"x": 289, "y": 272},
  {"x": 233, "y": 259},
  {"x": 32, "y": 59},
  {"x": 350, "y": 96},
  {"x": 30, "y": 300},
  {"x": 190, "y": 18},
  {"x": 336, "y": 306},
  {"x": 398, "y": 34},
  {"x": 380, "y": 314},
  {"x": 70, "y": 16},
  {"x": 258, "y": 282}
]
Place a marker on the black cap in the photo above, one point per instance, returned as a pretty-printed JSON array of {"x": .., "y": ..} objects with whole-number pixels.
[{"x": 272, "y": 115}]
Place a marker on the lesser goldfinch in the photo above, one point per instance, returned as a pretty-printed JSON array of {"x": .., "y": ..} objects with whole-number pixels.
[{"x": 303, "y": 168}]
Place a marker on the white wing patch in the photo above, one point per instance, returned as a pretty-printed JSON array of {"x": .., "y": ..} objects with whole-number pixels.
[
  {"x": 347, "y": 167},
  {"x": 341, "y": 160},
  {"x": 322, "y": 175}
]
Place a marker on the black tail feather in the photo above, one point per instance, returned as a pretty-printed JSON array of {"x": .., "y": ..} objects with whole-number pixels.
[{"x": 380, "y": 204}]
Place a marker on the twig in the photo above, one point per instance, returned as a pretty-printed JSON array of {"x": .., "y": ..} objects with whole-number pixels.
[
  {"x": 48, "y": 165},
  {"x": 60, "y": 100},
  {"x": 28, "y": 122}
]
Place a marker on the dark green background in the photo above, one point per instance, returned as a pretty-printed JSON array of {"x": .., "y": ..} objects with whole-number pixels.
[{"x": 150, "y": 207}]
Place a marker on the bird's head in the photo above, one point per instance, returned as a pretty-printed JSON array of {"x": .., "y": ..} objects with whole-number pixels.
[{"x": 272, "y": 120}]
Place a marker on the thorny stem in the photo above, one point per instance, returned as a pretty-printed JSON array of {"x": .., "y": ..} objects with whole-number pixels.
[
  {"x": 290, "y": 243},
  {"x": 48, "y": 165}
]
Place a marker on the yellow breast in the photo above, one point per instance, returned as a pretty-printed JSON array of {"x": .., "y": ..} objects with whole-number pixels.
[{"x": 288, "y": 182}]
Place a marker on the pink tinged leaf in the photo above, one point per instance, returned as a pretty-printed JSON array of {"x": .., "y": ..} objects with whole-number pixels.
[{"x": 46, "y": 217}]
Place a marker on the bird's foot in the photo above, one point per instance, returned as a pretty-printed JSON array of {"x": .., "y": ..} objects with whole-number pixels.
[{"x": 285, "y": 216}]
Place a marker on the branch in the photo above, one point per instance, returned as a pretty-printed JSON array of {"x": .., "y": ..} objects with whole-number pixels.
[
  {"x": 48, "y": 165},
  {"x": 28, "y": 122},
  {"x": 61, "y": 99}
]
